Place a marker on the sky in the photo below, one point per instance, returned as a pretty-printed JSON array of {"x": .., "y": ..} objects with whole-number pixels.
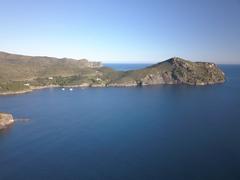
[{"x": 123, "y": 31}]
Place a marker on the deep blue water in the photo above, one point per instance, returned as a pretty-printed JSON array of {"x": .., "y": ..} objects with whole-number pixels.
[{"x": 164, "y": 132}]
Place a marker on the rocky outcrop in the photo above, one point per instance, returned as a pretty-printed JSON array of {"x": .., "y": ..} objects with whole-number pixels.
[
  {"x": 5, "y": 120},
  {"x": 199, "y": 73},
  {"x": 173, "y": 71}
]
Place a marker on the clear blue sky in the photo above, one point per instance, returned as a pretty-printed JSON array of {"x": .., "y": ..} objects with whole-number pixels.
[{"x": 128, "y": 31}]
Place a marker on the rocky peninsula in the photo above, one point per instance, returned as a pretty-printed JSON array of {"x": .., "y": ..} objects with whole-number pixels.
[
  {"x": 5, "y": 120},
  {"x": 19, "y": 74}
]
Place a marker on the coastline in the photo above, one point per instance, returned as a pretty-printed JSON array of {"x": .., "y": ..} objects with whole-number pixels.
[
  {"x": 33, "y": 88},
  {"x": 171, "y": 71},
  {"x": 86, "y": 85},
  {"x": 15, "y": 92}
]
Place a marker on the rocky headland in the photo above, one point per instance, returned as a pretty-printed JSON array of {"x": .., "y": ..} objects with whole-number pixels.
[{"x": 173, "y": 71}]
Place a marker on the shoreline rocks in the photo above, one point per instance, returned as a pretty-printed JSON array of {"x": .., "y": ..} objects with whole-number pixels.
[{"x": 5, "y": 120}]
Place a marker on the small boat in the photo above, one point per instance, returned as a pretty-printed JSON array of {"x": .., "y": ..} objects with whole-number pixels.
[
  {"x": 63, "y": 89},
  {"x": 71, "y": 89}
]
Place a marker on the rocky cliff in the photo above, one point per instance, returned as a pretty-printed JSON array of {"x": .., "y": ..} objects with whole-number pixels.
[{"x": 5, "y": 120}]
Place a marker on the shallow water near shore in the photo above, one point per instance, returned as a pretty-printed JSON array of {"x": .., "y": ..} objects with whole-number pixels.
[{"x": 154, "y": 132}]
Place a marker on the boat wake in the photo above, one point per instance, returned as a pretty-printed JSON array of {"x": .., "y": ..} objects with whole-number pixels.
[{"x": 23, "y": 120}]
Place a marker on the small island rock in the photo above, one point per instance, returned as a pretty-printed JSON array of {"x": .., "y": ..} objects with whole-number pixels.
[{"x": 5, "y": 120}]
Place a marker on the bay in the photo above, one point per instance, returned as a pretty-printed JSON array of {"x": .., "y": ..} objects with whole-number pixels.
[{"x": 154, "y": 132}]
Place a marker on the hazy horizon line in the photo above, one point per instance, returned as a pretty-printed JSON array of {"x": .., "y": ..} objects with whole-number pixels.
[{"x": 110, "y": 62}]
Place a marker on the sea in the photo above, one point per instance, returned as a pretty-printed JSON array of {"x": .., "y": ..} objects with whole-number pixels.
[{"x": 162, "y": 132}]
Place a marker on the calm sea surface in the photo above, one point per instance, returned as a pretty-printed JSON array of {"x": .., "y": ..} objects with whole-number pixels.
[
  {"x": 126, "y": 67},
  {"x": 166, "y": 132}
]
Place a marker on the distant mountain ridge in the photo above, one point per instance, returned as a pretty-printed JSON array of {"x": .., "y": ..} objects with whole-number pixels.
[{"x": 24, "y": 73}]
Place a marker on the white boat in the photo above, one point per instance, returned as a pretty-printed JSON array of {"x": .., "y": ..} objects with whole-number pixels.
[
  {"x": 71, "y": 89},
  {"x": 63, "y": 89}
]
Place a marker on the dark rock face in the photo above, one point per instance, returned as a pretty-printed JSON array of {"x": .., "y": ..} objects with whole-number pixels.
[
  {"x": 154, "y": 79},
  {"x": 5, "y": 120}
]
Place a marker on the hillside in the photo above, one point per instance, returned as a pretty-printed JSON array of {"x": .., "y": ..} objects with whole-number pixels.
[
  {"x": 24, "y": 73},
  {"x": 19, "y": 67}
]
